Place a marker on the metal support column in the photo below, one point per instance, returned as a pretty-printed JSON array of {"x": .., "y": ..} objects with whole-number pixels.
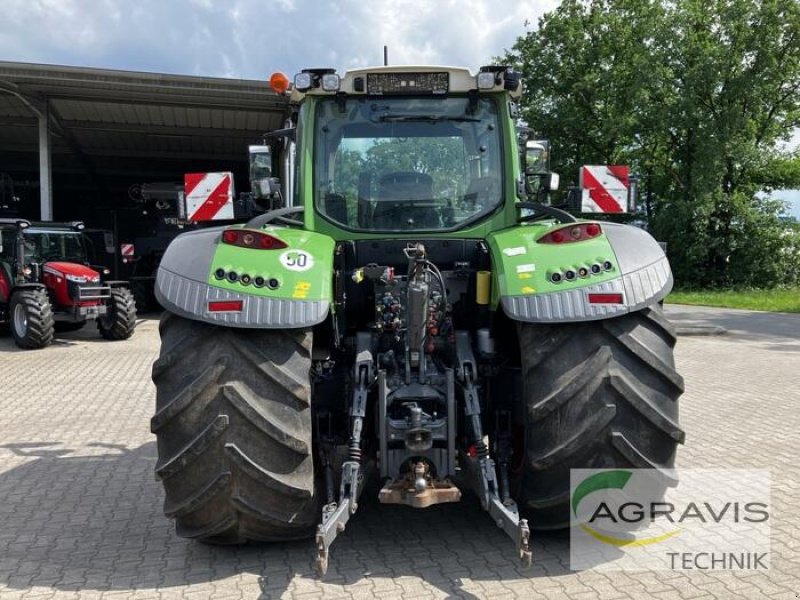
[{"x": 45, "y": 166}]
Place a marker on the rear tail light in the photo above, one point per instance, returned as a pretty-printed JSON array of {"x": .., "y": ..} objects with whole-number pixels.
[
  {"x": 606, "y": 299},
  {"x": 225, "y": 306},
  {"x": 244, "y": 238},
  {"x": 572, "y": 233}
]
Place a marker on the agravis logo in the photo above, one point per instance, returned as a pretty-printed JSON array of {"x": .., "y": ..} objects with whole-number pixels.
[
  {"x": 612, "y": 480},
  {"x": 647, "y": 519}
]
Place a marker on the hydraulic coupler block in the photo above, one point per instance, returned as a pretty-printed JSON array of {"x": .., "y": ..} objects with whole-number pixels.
[
  {"x": 416, "y": 317},
  {"x": 419, "y": 438}
]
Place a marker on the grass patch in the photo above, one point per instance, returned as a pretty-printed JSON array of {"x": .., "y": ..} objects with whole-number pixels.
[{"x": 777, "y": 300}]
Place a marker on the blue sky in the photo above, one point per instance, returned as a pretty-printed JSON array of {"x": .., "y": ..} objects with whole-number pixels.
[{"x": 253, "y": 38}]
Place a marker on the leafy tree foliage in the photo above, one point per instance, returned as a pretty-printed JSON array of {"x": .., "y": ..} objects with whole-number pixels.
[
  {"x": 697, "y": 97},
  {"x": 443, "y": 158}
]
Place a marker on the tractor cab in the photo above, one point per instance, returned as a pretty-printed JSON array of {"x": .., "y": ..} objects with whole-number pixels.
[
  {"x": 43, "y": 244},
  {"x": 407, "y": 150}
]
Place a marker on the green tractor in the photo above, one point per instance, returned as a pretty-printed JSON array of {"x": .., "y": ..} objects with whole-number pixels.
[{"x": 408, "y": 314}]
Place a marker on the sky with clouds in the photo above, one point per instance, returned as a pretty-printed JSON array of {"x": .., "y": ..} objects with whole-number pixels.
[{"x": 252, "y": 38}]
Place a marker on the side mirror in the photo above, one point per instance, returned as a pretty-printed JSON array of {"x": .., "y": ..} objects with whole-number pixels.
[
  {"x": 260, "y": 171},
  {"x": 267, "y": 187},
  {"x": 537, "y": 157},
  {"x": 541, "y": 184},
  {"x": 550, "y": 181}
]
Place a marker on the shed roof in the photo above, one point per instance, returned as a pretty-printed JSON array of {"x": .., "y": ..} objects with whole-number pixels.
[{"x": 103, "y": 113}]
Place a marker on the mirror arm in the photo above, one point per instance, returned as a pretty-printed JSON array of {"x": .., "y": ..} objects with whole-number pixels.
[
  {"x": 559, "y": 215},
  {"x": 288, "y": 132}
]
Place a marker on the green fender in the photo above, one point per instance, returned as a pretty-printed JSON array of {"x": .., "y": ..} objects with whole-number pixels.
[
  {"x": 634, "y": 273},
  {"x": 284, "y": 287}
]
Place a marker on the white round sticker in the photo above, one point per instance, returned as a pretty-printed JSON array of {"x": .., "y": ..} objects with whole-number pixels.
[{"x": 297, "y": 260}]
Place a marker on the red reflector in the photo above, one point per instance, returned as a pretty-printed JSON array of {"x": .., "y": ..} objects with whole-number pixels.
[
  {"x": 606, "y": 299},
  {"x": 225, "y": 306},
  {"x": 267, "y": 242},
  {"x": 230, "y": 236}
]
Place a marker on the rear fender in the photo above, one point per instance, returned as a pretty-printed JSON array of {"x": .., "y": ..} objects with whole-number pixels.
[
  {"x": 523, "y": 274},
  {"x": 198, "y": 268},
  {"x": 27, "y": 286}
]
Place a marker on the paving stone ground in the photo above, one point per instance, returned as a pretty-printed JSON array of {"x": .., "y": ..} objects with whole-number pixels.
[{"x": 80, "y": 511}]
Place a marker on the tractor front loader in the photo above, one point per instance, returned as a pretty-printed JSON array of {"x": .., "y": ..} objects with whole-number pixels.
[{"x": 408, "y": 315}]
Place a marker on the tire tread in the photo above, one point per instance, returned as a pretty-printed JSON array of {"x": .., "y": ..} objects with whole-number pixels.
[
  {"x": 600, "y": 394},
  {"x": 233, "y": 425}
]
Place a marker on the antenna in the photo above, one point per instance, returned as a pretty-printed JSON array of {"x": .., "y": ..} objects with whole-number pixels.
[{"x": 386, "y": 56}]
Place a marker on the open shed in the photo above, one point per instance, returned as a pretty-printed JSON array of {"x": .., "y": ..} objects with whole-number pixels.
[{"x": 73, "y": 140}]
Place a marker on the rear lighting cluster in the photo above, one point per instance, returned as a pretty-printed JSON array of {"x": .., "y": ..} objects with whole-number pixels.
[
  {"x": 572, "y": 233},
  {"x": 583, "y": 271},
  {"x": 256, "y": 240},
  {"x": 245, "y": 279}
]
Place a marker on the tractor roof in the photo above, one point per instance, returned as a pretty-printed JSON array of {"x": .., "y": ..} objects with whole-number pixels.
[
  {"x": 72, "y": 226},
  {"x": 406, "y": 80}
]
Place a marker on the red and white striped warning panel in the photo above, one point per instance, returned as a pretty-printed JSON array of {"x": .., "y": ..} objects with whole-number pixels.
[
  {"x": 605, "y": 188},
  {"x": 209, "y": 196},
  {"x": 127, "y": 250}
]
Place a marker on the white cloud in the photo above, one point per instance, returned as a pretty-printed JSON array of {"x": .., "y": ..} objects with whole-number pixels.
[{"x": 252, "y": 38}]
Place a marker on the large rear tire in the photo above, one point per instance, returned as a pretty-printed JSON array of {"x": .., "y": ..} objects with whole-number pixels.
[
  {"x": 120, "y": 320},
  {"x": 233, "y": 424},
  {"x": 31, "y": 318},
  {"x": 599, "y": 394}
]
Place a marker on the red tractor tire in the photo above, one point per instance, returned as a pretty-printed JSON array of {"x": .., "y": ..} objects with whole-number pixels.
[
  {"x": 120, "y": 320},
  {"x": 31, "y": 318}
]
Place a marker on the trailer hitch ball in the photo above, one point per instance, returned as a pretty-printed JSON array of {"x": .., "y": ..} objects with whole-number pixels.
[{"x": 420, "y": 471}]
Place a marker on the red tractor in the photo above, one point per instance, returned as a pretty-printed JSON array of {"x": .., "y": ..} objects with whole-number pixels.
[{"x": 47, "y": 285}]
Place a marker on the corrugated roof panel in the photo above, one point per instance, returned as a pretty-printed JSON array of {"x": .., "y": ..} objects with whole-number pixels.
[
  {"x": 141, "y": 113},
  {"x": 216, "y": 120},
  {"x": 175, "y": 115},
  {"x": 154, "y": 115},
  {"x": 192, "y": 118},
  {"x": 111, "y": 113},
  {"x": 204, "y": 116}
]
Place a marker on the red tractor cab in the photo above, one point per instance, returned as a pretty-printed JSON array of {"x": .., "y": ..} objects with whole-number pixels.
[{"x": 48, "y": 285}]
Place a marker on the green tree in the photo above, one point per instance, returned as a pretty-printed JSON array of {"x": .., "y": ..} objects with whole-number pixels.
[{"x": 696, "y": 97}]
